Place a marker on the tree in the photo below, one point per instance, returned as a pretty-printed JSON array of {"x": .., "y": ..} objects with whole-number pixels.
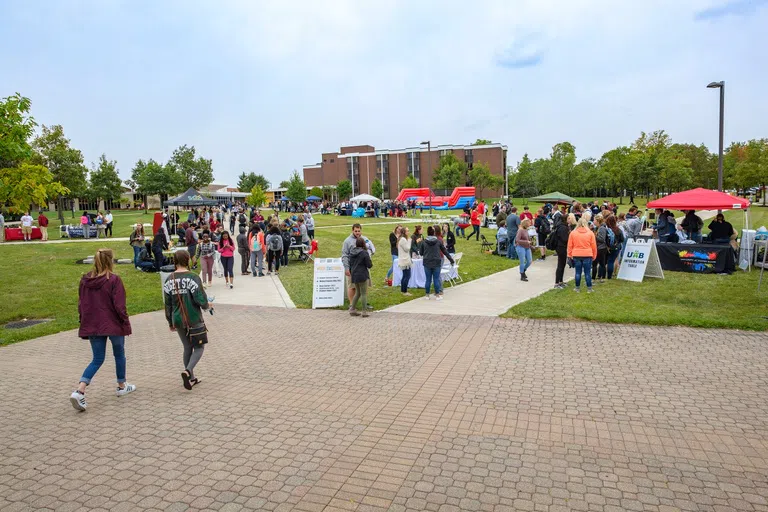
[
  {"x": 297, "y": 190},
  {"x": 481, "y": 178},
  {"x": 327, "y": 192},
  {"x": 409, "y": 182},
  {"x": 257, "y": 197},
  {"x": 524, "y": 181},
  {"x": 194, "y": 172},
  {"x": 53, "y": 150},
  {"x": 16, "y": 129},
  {"x": 377, "y": 189},
  {"x": 105, "y": 181},
  {"x": 247, "y": 181},
  {"x": 344, "y": 189},
  {"x": 450, "y": 172},
  {"x": 151, "y": 178},
  {"x": 26, "y": 184},
  {"x": 316, "y": 191},
  {"x": 482, "y": 142},
  {"x": 284, "y": 184}
]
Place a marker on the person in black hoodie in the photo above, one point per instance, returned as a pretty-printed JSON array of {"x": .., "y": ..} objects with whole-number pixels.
[
  {"x": 561, "y": 233},
  {"x": 243, "y": 251},
  {"x": 450, "y": 238},
  {"x": 159, "y": 244},
  {"x": 392, "y": 252},
  {"x": 432, "y": 251},
  {"x": 359, "y": 263}
]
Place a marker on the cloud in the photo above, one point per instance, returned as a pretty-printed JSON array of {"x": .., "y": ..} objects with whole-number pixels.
[
  {"x": 732, "y": 8},
  {"x": 523, "y": 53}
]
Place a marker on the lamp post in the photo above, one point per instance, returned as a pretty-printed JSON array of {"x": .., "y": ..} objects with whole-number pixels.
[
  {"x": 429, "y": 166},
  {"x": 721, "y": 86}
]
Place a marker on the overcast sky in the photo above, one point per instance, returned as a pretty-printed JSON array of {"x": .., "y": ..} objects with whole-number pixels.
[{"x": 267, "y": 86}]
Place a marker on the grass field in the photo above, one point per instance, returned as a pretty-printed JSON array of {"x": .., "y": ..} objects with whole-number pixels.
[{"x": 679, "y": 299}]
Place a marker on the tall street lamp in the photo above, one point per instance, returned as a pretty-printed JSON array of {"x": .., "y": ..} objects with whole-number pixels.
[
  {"x": 721, "y": 86},
  {"x": 429, "y": 166}
]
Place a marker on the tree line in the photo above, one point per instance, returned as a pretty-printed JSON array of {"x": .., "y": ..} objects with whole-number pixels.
[{"x": 651, "y": 165}]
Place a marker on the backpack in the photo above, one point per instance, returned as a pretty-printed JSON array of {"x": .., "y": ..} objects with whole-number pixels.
[
  {"x": 241, "y": 219},
  {"x": 286, "y": 236},
  {"x": 275, "y": 243},
  {"x": 551, "y": 242},
  {"x": 544, "y": 226},
  {"x": 610, "y": 239},
  {"x": 255, "y": 245}
]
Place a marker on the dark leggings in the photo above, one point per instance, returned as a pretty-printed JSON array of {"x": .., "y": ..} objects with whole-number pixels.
[
  {"x": 245, "y": 257},
  {"x": 273, "y": 256},
  {"x": 562, "y": 257},
  {"x": 598, "y": 266},
  {"x": 228, "y": 262},
  {"x": 475, "y": 232},
  {"x": 404, "y": 281}
]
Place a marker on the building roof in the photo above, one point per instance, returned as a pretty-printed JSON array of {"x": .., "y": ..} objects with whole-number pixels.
[{"x": 421, "y": 149}]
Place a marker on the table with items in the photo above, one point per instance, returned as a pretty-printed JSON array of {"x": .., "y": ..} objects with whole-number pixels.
[
  {"x": 17, "y": 234},
  {"x": 418, "y": 276},
  {"x": 697, "y": 258}
]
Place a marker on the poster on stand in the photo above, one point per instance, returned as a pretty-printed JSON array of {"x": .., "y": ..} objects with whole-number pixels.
[
  {"x": 641, "y": 259},
  {"x": 328, "y": 284}
]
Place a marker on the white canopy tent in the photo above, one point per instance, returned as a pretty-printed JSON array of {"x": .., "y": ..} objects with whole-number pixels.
[{"x": 365, "y": 198}]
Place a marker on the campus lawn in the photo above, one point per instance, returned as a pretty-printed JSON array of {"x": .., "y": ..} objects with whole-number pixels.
[
  {"x": 679, "y": 299},
  {"x": 41, "y": 281},
  {"x": 297, "y": 276}
]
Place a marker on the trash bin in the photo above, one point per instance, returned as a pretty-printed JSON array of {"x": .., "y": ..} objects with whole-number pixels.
[{"x": 165, "y": 272}]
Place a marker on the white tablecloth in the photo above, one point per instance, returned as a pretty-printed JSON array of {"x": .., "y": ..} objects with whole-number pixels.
[{"x": 418, "y": 277}]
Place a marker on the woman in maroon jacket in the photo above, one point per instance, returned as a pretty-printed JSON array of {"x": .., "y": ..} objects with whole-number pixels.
[{"x": 102, "y": 315}]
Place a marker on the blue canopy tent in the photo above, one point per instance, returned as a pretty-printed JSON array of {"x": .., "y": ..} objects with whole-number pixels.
[
  {"x": 284, "y": 199},
  {"x": 314, "y": 198}
]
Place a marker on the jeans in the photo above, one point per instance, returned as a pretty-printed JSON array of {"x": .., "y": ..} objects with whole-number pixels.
[
  {"x": 511, "y": 252},
  {"x": 405, "y": 279},
  {"x": 245, "y": 256},
  {"x": 599, "y": 264},
  {"x": 583, "y": 264},
  {"x": 562, "y": 257},
  {"x": 612, "y": 256},
  {"x": 475, "y": 232},
  {"x": 696, "y": 237},
  {"x": 361, "y": 292},
  {"x": 257, "y": 263},
  {"x": 526, "y": 258},
  {"x": 228, "y": 262},
  {"x": 99, "y": 348},
  {"x": 136, "y": 251},
  {"x": 392, "y": 267},
  {"x": 459, "y": 231},
  {"x": 433, "y": 276}
]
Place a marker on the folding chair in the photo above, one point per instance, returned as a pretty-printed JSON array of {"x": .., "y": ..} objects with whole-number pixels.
[
  {"x": 312, "y": 251},
  {"x": 486, "y": 245}
]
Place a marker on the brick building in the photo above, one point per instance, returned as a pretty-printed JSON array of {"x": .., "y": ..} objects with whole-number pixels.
[{"x": 361, "y": 165}]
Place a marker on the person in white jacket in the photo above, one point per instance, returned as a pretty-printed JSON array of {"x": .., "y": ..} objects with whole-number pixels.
[{"x": 404, "y": 261}]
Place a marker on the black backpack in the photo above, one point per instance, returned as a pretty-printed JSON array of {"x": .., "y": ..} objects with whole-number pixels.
[
  {"x": 551, "y": 242},
  {"x": 275, "y": 243}
]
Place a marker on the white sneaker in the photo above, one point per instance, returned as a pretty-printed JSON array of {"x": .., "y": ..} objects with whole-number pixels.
[
  {"x": 78, "y": 401},
  {"x": 231, "y": 286},
  {"x": 129, "y": 388},
  {"x": 439, "y": 297},
  {"x": 429, "y": 297}
]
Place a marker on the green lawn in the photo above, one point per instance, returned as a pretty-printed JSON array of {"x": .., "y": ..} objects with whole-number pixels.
[
  {"x": 121, "y": 227},
  {"x": 679, "y": 299},
  {"x": 41, "y": 281}
]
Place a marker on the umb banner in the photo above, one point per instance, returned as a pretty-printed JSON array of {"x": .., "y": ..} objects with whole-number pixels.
[
  {"x": 640, "y": 259},
  {"x": 328, "y": 285}
]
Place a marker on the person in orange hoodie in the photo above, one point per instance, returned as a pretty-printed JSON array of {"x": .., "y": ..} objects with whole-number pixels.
[{"x": 582, "y": 247}]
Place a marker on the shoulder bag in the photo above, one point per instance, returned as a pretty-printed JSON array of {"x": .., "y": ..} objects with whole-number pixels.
[{"x": 196, "y": 335}]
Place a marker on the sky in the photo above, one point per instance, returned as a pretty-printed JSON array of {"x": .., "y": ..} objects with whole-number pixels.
[{"x": 267, "y": 86}]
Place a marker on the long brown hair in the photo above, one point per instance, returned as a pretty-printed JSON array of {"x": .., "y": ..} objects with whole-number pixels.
[
  {"x": 610, "y": 221},
  {"x": 103, "y": 264}
]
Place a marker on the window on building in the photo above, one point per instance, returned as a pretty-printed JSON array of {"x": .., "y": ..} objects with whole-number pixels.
[
  {"x": 444, "y": 152},
  {"x": 331, "y": 160},
  {"x": 382, "y": 173},
  {"x": 414, "y": 167},
  {"x": 353, "y": 174},
  {"x": 324, "y": 160},
  {"x": 468, "y": 158}
]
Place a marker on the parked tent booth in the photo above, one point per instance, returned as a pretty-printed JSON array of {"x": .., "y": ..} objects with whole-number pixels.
[
  {"x": 189, "y": 198},
  {"x": 704, "y": 199}
]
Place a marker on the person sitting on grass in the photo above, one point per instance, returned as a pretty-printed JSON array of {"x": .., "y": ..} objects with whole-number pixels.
[{"x": 144, "y": 260}]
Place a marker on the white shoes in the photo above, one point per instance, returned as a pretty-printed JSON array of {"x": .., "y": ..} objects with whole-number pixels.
[
  {"x": 429, "y": 297},
  {"x": 439, "y": 297},
  {"x": 231, "y": 286},
  {"x": 129, "y": 388},
  {"x": 78, "y": 401}
]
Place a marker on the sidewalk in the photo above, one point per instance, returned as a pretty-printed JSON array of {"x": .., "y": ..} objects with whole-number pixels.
[{"x": 491, "y": 295}]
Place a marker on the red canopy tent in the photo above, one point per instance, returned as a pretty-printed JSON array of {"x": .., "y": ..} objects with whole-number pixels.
[{"x": 700, "y": 199}]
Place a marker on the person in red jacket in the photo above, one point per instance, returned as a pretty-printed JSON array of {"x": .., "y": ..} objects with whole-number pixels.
[
  {"x": 42, "y": 221},
  {"x": 474, "y": 219},
  {"x": 102, "y": 315}
]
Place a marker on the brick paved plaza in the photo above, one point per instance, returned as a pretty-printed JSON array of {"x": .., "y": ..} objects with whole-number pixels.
[{"x": 314, "y": 410}]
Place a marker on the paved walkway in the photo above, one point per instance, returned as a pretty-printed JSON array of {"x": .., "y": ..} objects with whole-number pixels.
[
  {"x": 314, "y": 410},
  {"x": 491, "y": 295},
  {"x": 251, "y": 291}
]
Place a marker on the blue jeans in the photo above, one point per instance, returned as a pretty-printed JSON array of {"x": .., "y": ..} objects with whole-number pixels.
[
  {"x": 583, "y": 264},
  {"x": 526, "y": 258},
  {"x": 696, "y": 237},
  {"x": 433, "y": 275},
  {"x": 458, "y": 229},
  {"x": 392, "y": 267},
  {"x": 612, "y": 256},
  {"x": 405, "y": 279},
  {"x": 511, "y": 252},
  {"x": 99, "y": 348},
  {"x": 136, "y": 251}
]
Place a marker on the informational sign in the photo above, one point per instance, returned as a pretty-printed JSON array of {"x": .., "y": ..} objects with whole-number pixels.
[
  {"x": 328, "y": 285},
  {"x": 640, "y": 259}
]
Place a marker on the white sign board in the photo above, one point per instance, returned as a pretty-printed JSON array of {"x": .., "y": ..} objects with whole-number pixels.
[
  {"x": 640, "y": 260},
  {"x": 328, "y": 285}
]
